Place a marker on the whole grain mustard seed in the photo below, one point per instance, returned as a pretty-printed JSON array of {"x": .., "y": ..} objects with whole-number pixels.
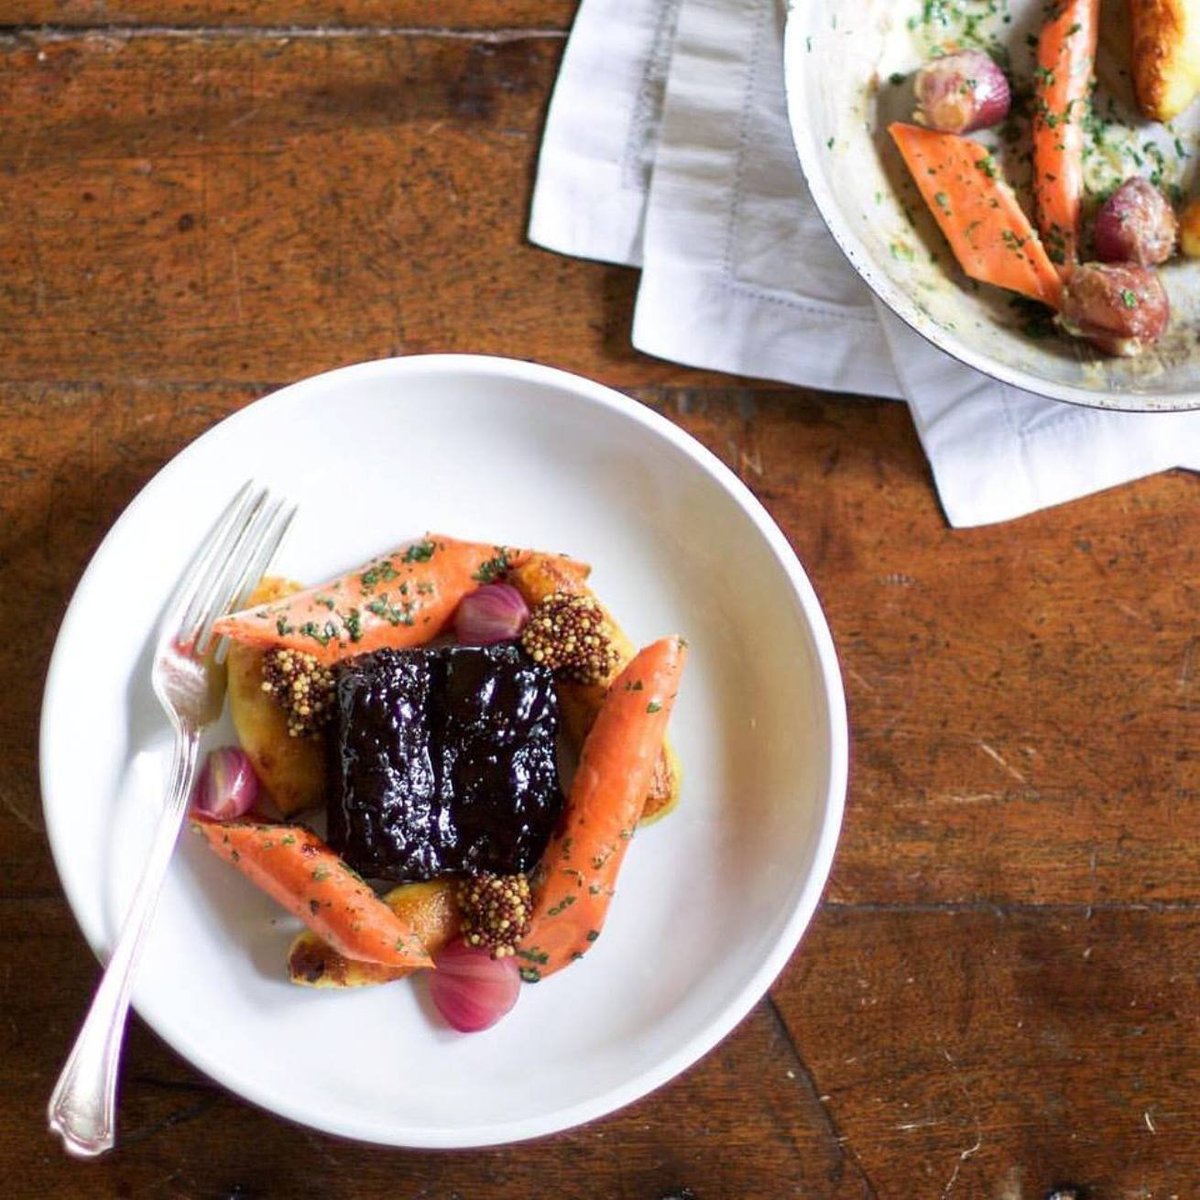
[
  {"x": 495, "y": 911},
  {"x": 302, "y": 688},
  {"x": 568, "y": 634}
]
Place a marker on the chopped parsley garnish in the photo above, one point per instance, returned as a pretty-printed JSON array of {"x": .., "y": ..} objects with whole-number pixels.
[
  {"x": 419, "y": 552},
  {"x": 381, "y": 607},
  {"x": 491, "y": 570},
  {"x": 322, "y": 636},
  {"x": 353, "y": 622},
  {"x": 380, "y": 573}
]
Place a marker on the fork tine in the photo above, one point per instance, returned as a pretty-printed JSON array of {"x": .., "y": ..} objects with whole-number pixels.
[
  {"x": 257, "y": 568},
  {"x": 246, "y": 565},
  {"x": 225, "y": 547},
  {"x": 215, "y": 598},
  {"x": 202, "y": 563},
  {"x": 282, "y": 517}
]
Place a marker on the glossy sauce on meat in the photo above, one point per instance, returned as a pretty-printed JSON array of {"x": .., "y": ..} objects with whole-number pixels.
[{"x": 443, "y": 760}]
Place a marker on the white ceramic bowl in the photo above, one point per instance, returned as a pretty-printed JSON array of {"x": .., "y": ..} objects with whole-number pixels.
[
  {"x": 712, "y": 899},
  {"x": 848, "y": 69}
]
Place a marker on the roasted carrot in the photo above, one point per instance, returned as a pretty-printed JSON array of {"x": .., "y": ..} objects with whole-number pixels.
[
  {"x": 977, "y": 211},
  {"x": 405, "y": 598},
  {"x": 1066, "y": 55},
  {"x": 574, "y": 882},
  {"x": 540, "y": 576},
  {"x": 295, "y": 868},
  {"x": 428, "y": 907}
]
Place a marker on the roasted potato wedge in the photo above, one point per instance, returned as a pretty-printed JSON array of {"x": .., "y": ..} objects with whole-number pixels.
[
  {"x": 428, "y": 907},
  {"x": 290, "y": 769},
  {"x": 1165, "y": 55},
  {"x": 538, "y": 578}
]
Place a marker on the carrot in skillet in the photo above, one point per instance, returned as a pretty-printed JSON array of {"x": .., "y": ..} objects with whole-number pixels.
[
  {"x": 574, "y": 882},
  {"x": 977, "y": 211},
  {"x": 296, "y": 869},
  {"x": 1066, "y": 54},
  {"x": 405, "y": 598}
]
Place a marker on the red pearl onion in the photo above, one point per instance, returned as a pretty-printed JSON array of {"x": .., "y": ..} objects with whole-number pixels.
[
  {"x": 470, "y": 988},
  {"x": 495, "y": 612},
  {"x": 227, "y": 786},
  {"x": 962, "y": 92},
  {"x": 1120, "y": 308},
  {"x": 1135, "y": 224}
]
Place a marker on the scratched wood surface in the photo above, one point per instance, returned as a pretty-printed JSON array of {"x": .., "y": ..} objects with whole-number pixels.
[{"x": 998, "y": 996}]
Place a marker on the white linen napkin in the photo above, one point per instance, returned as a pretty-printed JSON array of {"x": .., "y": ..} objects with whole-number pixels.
[{"x": 667, "y": 146}]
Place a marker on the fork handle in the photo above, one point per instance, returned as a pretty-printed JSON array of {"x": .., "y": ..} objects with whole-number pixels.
[{"x": 82, "y": 1108}]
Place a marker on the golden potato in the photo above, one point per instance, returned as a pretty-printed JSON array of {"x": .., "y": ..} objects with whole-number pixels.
[
  {"x": 290, "y": 769},
  {"x": 1189, "y": 230},
  {"x": 429, "y": 907},
  {"x": 1165, "y": 55}
]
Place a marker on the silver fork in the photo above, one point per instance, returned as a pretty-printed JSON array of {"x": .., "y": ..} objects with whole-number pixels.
[{"x": 188, "y": 679}]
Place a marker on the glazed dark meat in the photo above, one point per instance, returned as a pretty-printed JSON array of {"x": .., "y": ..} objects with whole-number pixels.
[{"x": 443, "y": 761}]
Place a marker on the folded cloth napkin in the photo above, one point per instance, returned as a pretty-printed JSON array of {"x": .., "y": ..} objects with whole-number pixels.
[{"x": 667, "y": 146}]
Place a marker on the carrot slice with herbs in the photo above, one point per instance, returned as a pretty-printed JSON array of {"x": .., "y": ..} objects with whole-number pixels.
[
  {"x": 428, "y": 907},
  {"x": 405, "y": 598},
  {"x": 1066, "y": 56},
  {"x": 296, "y": 869},
  {"x": 977, "y": 211},
  {"x": 574, "y": 882}
]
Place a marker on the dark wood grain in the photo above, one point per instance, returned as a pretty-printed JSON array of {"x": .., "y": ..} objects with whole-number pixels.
[
  {"x": 984, "y": 1049},
  {"x": 213, "y": 195},
  {"x": 999, "y": 995},
  {"x": 473, "y": 15}
]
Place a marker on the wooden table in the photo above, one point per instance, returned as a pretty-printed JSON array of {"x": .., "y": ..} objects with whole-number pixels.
[{"x": 200, "y": 202}]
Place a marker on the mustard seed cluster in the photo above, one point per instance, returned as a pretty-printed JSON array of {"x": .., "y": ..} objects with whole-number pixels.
[
  {"x": 567, "y": 634},
  {"x": 301, "y": 686},
  {"x": 495, "y": 911}
]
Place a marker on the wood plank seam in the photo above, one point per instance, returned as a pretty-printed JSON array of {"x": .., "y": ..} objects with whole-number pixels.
[
  {"x": 844, "y": 1151},
  {"x": 182, "y": 1116}
]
